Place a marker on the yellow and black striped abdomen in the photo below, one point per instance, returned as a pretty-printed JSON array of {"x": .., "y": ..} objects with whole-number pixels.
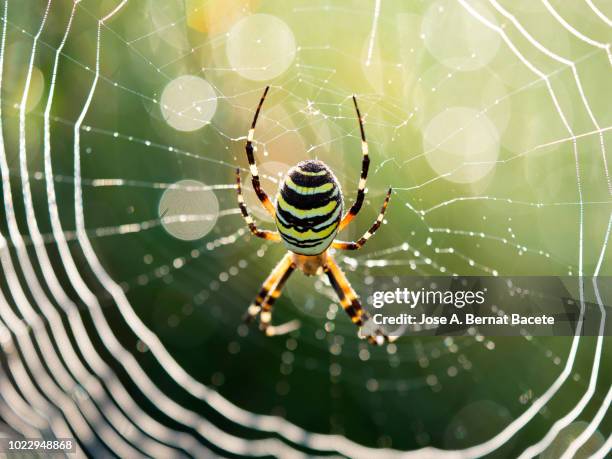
[{"x": 309, "y": 208}]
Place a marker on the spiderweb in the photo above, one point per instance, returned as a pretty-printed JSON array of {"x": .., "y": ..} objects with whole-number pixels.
[{"x": 126, "y": 265}]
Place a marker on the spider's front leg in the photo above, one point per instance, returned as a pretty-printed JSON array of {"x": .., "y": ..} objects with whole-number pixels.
[
  {"x": 265, "y": 318},
  {"x": 269, "y": 293},
  {"x": 350, "y": 303}
]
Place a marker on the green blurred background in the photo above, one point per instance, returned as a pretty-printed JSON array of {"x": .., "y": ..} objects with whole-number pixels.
[{"x": 483, "y": 166}]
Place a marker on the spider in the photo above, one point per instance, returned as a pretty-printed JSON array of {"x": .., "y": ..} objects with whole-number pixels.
[{"x": 308, "y": 215}]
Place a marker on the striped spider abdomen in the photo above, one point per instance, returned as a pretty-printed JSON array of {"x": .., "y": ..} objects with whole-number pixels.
[{"x": 309, "y": 207}]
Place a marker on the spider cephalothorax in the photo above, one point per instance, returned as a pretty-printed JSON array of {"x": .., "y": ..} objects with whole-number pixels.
[{"x": 308, "y": 216}]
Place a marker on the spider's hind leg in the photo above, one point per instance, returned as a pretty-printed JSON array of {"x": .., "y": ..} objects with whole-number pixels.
[
  {"x": 264, "y": 234},
  {"x": 365, "y": 165},
  {"x": 261, "y": 194},
  {"x": 342, "y": 245}
]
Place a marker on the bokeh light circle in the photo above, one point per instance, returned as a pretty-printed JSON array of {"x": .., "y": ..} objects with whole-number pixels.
[
  {"x": 565, "y": 438},
  {"x": 260, "y": 47},
  {"x": 188, "y": 211},
  {"x": 457, "y": 39},
  {"x": 462, "y": 142},
  {"x": 476, "y": 422},
  {"x": 439, "y": 88},
  {"x": 37, "y": 86},
  {"x": 188, "y": 103}
]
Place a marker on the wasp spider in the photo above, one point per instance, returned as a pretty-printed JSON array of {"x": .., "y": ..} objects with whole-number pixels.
[{"x": 308, "y": 215}]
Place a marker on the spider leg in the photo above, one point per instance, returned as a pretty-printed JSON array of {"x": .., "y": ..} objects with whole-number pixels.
[
  {"x": 365, "y": 165},
  {"x": 271, "y": 281},
  {"x": 350, "y": 303},
  {"x": 265, "y": 316},
  {"x": 264, "y": 234},
  {"x": 361, "y": 242},
  {"x": 261, "y": 194}
]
